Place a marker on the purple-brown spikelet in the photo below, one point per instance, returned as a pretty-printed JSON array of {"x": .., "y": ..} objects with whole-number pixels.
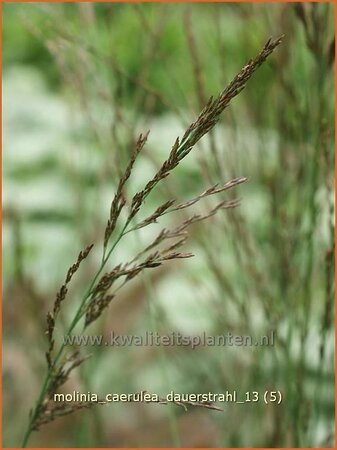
[{"x": 104, "y": 288}]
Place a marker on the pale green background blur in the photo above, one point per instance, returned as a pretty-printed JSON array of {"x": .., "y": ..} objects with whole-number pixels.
[{"x": 80, "y": 81}]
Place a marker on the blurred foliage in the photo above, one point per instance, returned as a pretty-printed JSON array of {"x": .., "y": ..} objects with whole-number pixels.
[
  {"x": 80, "y": 83},
  {"x": 113, "y": 25}
]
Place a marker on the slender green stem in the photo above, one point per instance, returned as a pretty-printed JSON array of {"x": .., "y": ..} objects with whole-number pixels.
[{"x": 72, "y": 325}]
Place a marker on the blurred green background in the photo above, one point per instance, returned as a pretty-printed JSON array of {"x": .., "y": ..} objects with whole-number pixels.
[{"x": 80, "y": 82}]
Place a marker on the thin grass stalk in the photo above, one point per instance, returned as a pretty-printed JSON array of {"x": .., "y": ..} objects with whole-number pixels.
[{"x": 204, "y": 123}]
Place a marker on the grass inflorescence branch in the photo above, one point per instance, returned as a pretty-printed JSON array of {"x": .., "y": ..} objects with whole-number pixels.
[{"x": 99, "y": 294}]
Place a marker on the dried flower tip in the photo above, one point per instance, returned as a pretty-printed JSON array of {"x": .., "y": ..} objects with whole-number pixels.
[
  {"x": 119, "y": 201},
  {"x": 60, "y": 296}
]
